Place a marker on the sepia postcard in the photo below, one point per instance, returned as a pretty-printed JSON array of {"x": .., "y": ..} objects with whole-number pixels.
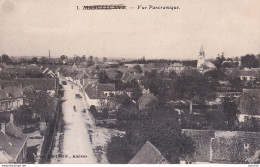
[{"x": 129, "y": 82}]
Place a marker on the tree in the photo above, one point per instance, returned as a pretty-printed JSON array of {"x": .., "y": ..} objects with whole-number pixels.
[
  {"x": 42, "y": 103},
  {"x": 77, "y": 59},
  {"x": 219, "y": 60},
  {"x": 160, "y": 85},
  {"x": 138, "y": 69},
  {"x": 137, "y": 92},
  {"x": 193, "y": 86},
  {"x": 24, "y": 61},
  {"x": 230, "y": 112},
  {"x": 45, "y": 60},
  {"x": 119, "y": 150},
  {"x": 90, "y": 61},
  {"x": 236, "y": 83},
  {"x": 103, "y": 77},
  {"x": 123, "y": 99},
  {"x": 104, "y": 59},
  {"x": 63, "y": 57},
  {"x": 83, "y": 58},
  {"x": 249, "y": 61},
  {"x": 6, "y": 59},
  {"x": 34, "y": 60},
  {"x": 215, "y": 74},
  {"x": 161, "y": 129},
  {"x": 23, "y": 116},
  {"x": 172, "y": 75}
]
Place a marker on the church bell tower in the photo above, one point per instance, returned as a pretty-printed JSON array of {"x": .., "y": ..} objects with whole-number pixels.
[{"x": 201, "y": 58}]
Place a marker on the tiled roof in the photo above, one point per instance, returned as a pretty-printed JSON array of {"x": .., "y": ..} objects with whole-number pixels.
[
  {"x": 202, "y": 140},
  {"x": 253, "y": 73},
  {"x": 127, "y": 77},
  {"x": 22, "y": 69},
  {"x": 13, "y": 91},
  {"x": 106, "y": 87},
  {"x": 250, "y": 102},
  {"x": 235, "y": 149},
  {"x": 6, "y": 83},
  {"x": 12, "y": 141},
  {"x": 149, "y": 154},
  {"x": 39, "y": 83},
  {"x": 93, "y": 92}
]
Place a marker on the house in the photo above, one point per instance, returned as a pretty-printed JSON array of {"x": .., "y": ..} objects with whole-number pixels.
[
  {"x": 107, "y": 89},
  {"x": 234, "y": 147},
  {"x": 149, "y": 154},
  {"x": 112, "y": 64},
  {"x": 89, "y": 81},
  {"x": 95, "y": 96},
  {"x": 11, "y": 98},
  {"x": 49, "y": 85},
  {"x": 232, "y": 63},
  {"x": 129, "y": 77},
  {"x": 229, "y": 147},
  {"x": 248, "y": 74},
  {"x": 177, "y": 67},
  {"x": 81, "y": 77},
  {"x": 145, "y": 100},
  {"x": 23, "y": 70},
  {"x": 13, "y": 143},
  {"x": 48, "y": 72},
  {"x": 202, "y": 140},
  {"x": 249, "y": 105}
]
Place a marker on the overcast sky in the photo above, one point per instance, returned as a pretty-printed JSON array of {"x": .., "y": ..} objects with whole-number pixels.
[{"x": 32, "y": 27}]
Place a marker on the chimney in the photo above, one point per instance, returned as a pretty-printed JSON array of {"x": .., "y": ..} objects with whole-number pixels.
[
  {"x": 11, "y": 119},
  {"x": 3, "y": 127}
]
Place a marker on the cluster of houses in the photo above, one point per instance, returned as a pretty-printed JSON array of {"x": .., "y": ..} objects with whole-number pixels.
[
  {"x": 215, "y": 146},
  {"x": 98, "y": 94},
  {"x": 223, "y": 146},
  {"x": 210, "y": 146},
  {"x": 17, "y": 80}
]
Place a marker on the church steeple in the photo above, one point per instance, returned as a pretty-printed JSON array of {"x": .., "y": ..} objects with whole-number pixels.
[
  {"x": 201, "y": 57},
  {"x": 202, "y": 51}
]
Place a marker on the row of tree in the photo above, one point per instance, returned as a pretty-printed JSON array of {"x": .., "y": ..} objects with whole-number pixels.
[
  {"x": 51, "y": 61},
  {"x": 247, "y": 61}
]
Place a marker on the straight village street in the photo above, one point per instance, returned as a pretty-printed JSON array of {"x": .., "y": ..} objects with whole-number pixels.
[
  {"x": 76, "y": 142},
  {"x": 76, "y": 145}
]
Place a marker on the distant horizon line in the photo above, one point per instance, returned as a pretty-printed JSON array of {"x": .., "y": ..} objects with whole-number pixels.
[{"x": 115, "y": 58}]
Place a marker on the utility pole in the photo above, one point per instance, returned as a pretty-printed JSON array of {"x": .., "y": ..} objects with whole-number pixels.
[{"x": 49, "y": 54}]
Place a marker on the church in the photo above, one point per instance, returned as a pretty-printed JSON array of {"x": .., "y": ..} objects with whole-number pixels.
[{"x": 202, "y": 64}]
